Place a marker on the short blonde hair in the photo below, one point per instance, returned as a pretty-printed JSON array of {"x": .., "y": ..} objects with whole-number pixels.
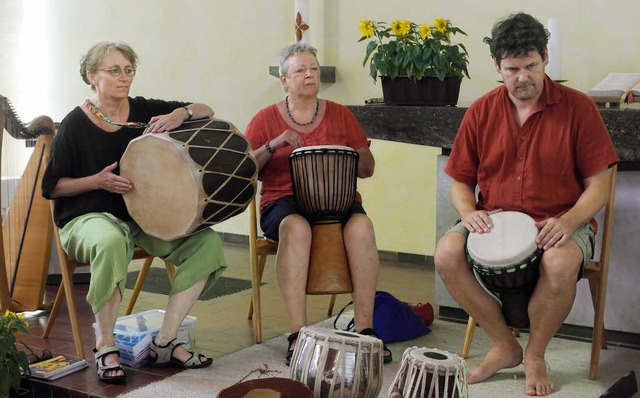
[{"x": 92, "y": 59}]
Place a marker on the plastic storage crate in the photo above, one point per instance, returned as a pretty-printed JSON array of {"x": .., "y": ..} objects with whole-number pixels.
[{"x": 133, "y": 334}]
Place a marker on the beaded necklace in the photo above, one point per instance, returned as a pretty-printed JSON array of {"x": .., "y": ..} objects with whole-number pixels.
[
  {"x": 94, "y": 109},
  {"x": 286, "y": 102}
]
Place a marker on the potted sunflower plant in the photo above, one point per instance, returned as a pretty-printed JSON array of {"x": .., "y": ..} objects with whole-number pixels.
[
  {"x": 417, "y": 64},
  {"x": 13, "y": 363}
]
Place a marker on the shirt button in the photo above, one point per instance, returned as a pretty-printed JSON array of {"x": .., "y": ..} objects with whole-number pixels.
[
  {"x": 523, "y": 137},
  {"x": 518, "y": 178}
]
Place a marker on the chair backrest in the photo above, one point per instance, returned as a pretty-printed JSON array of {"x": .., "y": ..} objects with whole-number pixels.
[
  {"x": 607, "y": 224},
  {"x": 253, "y": 220}
]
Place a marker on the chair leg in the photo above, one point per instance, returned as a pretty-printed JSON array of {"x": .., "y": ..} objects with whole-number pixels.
[
  {"x": 171, "y": 271},
  {"x": 54, "y": 311},
  {"x": 468, "y": 337},
  {"x": 262, "y": 260},
  {"x": 255, "y": 311},
  {"x": 593, "y": 287},
  {"x": 69, "y": 291},
  {"x": 142, "y": 275},
  {"x": 332, "y": 302}
]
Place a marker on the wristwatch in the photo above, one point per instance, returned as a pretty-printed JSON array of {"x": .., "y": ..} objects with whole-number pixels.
[{"x": 189, "y": 112}]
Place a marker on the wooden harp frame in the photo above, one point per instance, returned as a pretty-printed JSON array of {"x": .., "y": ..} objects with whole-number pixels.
[{"x": 27, "y": 230}]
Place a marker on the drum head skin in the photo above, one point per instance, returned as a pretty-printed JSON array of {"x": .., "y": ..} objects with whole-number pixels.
[
  {"x": 511, "y": 240},
  {"x": 437, "y": 358},
  {"x": 271, "y": 387},
  {"x": 188, "y": 179}
]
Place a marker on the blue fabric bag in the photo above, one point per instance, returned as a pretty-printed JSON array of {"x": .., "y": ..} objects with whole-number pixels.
[{"x": 393, "y": 320}]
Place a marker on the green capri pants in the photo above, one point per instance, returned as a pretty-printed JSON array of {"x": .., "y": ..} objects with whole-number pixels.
[{"x": 107, "y": 243}]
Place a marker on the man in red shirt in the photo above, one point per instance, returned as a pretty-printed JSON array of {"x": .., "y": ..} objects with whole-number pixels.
[{"x": 537, "y": 147}]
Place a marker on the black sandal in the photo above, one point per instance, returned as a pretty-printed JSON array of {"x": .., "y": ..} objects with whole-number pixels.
[
  {"x": 291, "y": 339},
  {"x": 387, "y": 356}
]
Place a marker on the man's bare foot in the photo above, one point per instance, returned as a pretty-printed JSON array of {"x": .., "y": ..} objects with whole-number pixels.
[
  {"x": 499, "y": 357},
  {"x": 537, "y": 380}
]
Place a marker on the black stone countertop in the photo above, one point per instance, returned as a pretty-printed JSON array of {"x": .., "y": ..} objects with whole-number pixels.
[{"x": 437, "y": 126}]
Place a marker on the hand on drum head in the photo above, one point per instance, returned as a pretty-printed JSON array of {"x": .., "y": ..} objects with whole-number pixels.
[
  {"x": 112, "y": 182},
  {"x": 164, "y": 123},
  {"x": 554, "y": 232},
  {"x": 478, "y": 221}
]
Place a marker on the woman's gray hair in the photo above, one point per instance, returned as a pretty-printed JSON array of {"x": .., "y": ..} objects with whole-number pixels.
[
  {"x": 92, "y": 59},
  {"x": 291, "y": 50}
]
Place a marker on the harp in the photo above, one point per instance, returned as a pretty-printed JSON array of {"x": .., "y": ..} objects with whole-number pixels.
[{"x": 26, "y": 232}]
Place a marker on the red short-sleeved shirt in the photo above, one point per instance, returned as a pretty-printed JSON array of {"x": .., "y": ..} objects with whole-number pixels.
[
  {"x": 338, "y": 126},
  {"x": 539, "y": 168}
]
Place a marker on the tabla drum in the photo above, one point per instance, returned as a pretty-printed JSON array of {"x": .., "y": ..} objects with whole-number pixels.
[
  {"x": 338, "y": 364},
  {"x": 506, "y": 261},
  {"x": 188, "y": 179},
  {"x": 270, "y": 387},
  {"x": 430, "y": 373},
  {"x": 324, "y": 180}
]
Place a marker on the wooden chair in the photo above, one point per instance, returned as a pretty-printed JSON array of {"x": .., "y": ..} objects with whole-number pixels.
[
  {"x": 259, "y": 248},
  {"x": 596, "y": 272},
  {"x": 66, "y": 290}
]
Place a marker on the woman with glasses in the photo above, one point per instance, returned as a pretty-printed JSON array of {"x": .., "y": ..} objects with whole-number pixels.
[
  {"x": 301, "y": 120},
  {"x": 95, "y": 227}
]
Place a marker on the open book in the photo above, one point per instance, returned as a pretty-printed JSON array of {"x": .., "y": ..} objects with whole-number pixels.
[{"x": 617, "y": 87}]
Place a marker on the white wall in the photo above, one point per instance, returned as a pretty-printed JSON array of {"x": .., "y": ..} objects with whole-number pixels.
[{"x": 218, "y": 52}]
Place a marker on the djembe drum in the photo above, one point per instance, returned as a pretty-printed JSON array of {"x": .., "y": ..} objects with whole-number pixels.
[
  {"x": 506, "y": 262},
  {"x": 337, "y": 364},
  {"x": 324, "y": 182},
  {"x": 188, "y": 179},
  {"x": 430, "y": 373}
]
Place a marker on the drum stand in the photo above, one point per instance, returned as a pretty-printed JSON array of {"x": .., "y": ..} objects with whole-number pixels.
[{"x": 328, "y": 263}]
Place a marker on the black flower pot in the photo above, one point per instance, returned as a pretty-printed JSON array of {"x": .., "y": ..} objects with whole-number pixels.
[{"x": 429, "y": 91}]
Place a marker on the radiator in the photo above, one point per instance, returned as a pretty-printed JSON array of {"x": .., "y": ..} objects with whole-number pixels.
[{"x": 9, "y": 188}]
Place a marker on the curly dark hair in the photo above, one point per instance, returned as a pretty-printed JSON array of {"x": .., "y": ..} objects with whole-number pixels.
[{"x": 517, "y": 35}]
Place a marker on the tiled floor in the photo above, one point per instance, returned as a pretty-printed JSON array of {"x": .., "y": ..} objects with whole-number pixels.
[{"x": 222, "y": 325}]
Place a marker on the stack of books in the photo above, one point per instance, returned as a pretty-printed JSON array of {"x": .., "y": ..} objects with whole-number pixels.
[
  {"x": 56, "y": 367},
  {"x": 616, "y": 88}
]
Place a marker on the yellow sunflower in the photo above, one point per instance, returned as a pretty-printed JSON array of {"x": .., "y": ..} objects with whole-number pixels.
[
  {"x": 366, "y": 28},
  {"x": 401, "y": 27},
  {"x": 425, "y": 31},
  {"x": 405, "y": 27},
  {"x": 440, "y": 24}
]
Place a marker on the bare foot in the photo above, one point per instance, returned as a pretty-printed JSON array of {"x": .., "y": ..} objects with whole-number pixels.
[
  {"x": 537, "y": 380},
  {"x": 113, "y": 359},
  {"x": 499, "y": 357}
]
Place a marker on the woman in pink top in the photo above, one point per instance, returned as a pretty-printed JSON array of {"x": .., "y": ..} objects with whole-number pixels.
[{"x": 300, "y": 120}]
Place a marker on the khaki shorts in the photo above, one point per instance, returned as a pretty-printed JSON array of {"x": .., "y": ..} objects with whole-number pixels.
[{"x": 584, "y": 237}]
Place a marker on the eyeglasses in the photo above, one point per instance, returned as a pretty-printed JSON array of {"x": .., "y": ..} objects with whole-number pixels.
[
  {"x": 115, "y": 71},
  {"x": 34, "y": 358}
]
